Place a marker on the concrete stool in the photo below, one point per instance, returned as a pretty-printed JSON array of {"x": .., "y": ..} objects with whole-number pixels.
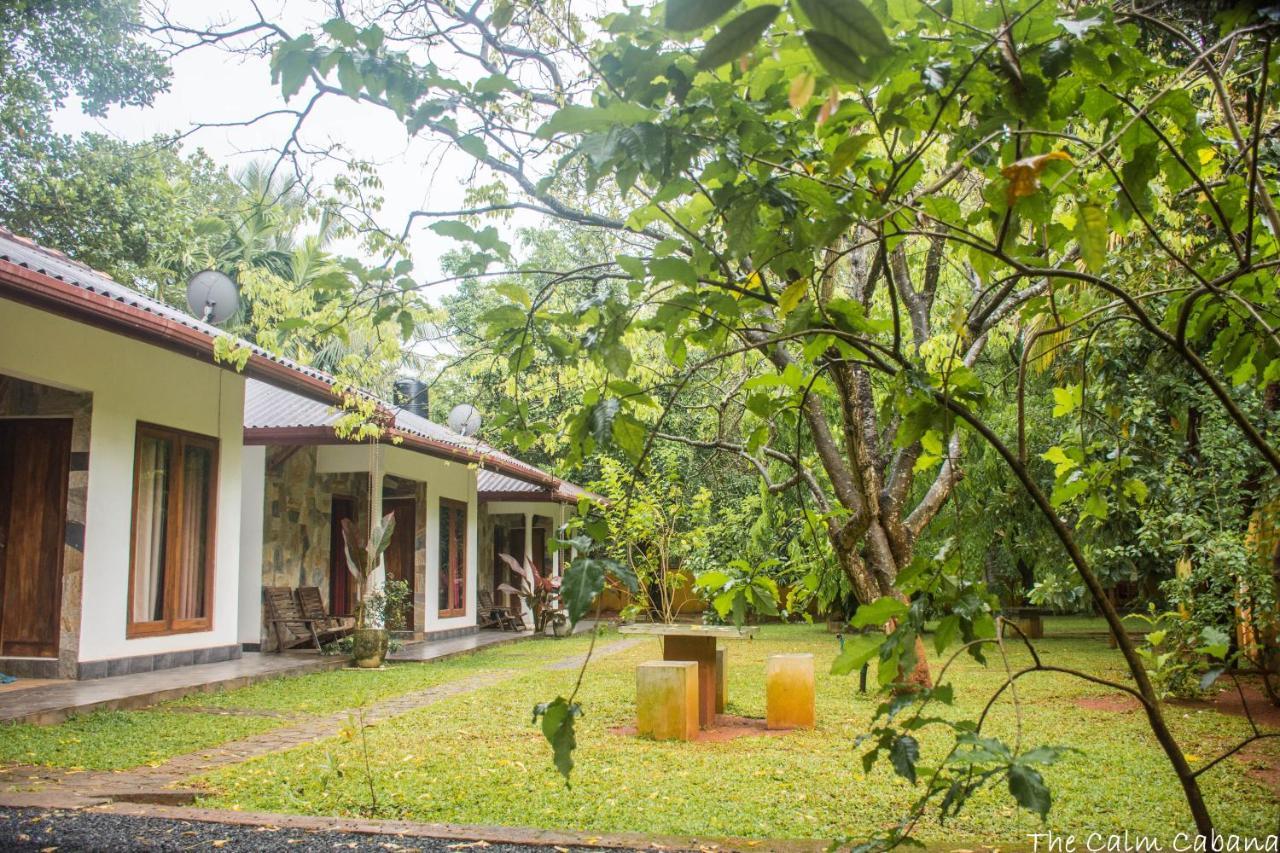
[
  {"x": 667, "y": 699},
  {"x": 722, "y": 692},
  {"x": 789, "y": 692}
]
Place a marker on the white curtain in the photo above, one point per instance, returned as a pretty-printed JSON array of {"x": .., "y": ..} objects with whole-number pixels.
[
  {"x": 149, "y": 530},
  {"x": 194, "y": 541}
]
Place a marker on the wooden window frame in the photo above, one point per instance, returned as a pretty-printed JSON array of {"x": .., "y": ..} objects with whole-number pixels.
[
  {"x": 173, "y": 535},
  {"x": 461, "y": 610}
]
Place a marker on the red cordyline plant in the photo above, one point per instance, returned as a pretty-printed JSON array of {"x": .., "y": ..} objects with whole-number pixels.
[{"x": 538, "y": 591}]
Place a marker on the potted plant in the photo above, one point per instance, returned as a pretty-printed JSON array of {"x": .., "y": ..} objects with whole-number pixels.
[
  {"x": 369, "y": 640},
  {"x": 559, "y": 623},
  {"x": 539, "y": 593}
]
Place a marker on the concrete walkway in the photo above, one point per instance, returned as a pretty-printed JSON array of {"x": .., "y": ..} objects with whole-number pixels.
[{"x": 54, "y": 701}]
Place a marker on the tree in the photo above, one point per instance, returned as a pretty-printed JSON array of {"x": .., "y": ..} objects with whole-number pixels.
[
  {"x": 854, "y": 222},
  {"x": 53, "y": 49},
  {"x": 142, "y": 213}
]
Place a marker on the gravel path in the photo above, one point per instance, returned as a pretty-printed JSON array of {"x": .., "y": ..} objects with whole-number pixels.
[{"x": 41, "y": 830}]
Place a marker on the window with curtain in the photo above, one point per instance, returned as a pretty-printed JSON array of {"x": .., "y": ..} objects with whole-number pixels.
[
  {"x": 453, "y": 558},
  {"x": 171, "y": 576}
]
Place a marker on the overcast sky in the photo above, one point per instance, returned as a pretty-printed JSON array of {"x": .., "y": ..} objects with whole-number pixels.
[{"x": 210, "y": 85}]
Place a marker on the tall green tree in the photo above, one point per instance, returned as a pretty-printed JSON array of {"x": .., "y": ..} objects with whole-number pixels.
[
  {"x": 854, "y": 204},
  {"x": 51, "y": 50}
]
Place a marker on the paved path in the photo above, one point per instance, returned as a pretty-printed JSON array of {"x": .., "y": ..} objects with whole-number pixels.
[{"x": 53, "y": 702}]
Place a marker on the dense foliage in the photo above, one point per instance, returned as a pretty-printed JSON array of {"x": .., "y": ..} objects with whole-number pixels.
[{"x": 977, "y": 296}]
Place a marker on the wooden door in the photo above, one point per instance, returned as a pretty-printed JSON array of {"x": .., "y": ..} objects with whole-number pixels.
[
  {"x": 400, "y": 554},
  {"x": 515, "y": 547},
  {"x": 540, "y": 550},
  {"x": 500, "y": 569},
  {"x": 35, "y": 457},
  {"x": 342, "y": 586}
]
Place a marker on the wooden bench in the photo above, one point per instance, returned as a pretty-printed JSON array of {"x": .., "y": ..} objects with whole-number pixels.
[{"x": 291, "y": 627}]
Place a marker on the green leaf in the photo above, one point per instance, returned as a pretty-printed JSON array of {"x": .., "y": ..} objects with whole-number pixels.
[
  {"x": 629, "y": 435},
  {"x": 904, "y": 754},
  {"x": 1067, "y": 400},
  {"x": 342, "y": 31},
  {"x": 1028, "y": 788},
  {"x": 292, "y": 65},
  {"x": 503, "y": 12},
  {"x": 849, "y": 22},
  {"x": 737, "y": 37},
  {"x": 792, "y": 295},
  {"x": 474, "y": 146},
  {"x": 583, "y": 580},
  {"x": 837, "y": 58},
  {"x": 557, "y": 728},
  {"x": 1091, "y": 232},
  {"x": 673, "y": 269},
  {"x": 878, "y": 612},
  {"x": 577, "y": 118},
  {"x": 688, "y": 15},
  {"x": 858, "y": 649}
]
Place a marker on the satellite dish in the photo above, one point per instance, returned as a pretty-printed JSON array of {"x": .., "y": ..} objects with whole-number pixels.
[
  {"x": 464, "y": 419},
  {"x": 212, "y": 296}
]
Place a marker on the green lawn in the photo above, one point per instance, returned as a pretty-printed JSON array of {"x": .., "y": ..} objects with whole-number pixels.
[
  {"x": 115, "y": 740},
  {"x": 475, "y": 758}
]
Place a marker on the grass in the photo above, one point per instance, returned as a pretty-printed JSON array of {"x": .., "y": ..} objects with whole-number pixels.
[
  {"x": 475, "y": 758},
  {"x": 115, "y": 740}
]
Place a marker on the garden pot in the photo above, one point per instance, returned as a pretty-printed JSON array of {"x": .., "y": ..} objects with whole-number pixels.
[{"x": 368, "y": 647}]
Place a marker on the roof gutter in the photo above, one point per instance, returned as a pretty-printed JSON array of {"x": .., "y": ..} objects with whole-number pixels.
[
  {"x": 76, "y": 303},
  {"x": 45, "y": 292},
  {"x": 418, "y": 443}
]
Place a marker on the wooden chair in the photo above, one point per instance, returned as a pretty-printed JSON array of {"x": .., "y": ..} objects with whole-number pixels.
[
  {"x": 312, "y": 604},
  {"x": 498, "y": 615},
  {"x": 290, "y": 626}
]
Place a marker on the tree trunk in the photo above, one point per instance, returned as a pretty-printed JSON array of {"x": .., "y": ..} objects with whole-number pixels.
[{"x": 868, "y": 585}]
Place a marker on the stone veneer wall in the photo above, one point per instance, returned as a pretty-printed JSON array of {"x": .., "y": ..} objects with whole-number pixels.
[
  {"x": 20, "y": 399},
  {"x": 296, "y": 527}
]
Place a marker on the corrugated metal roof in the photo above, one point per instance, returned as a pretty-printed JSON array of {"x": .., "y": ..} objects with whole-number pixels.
[
  {"x": 266, "y": 405},
  {"x": 25, "y": 253},
  {"x": 269, "y": 407},
  {"x": 492, "y": 481}
]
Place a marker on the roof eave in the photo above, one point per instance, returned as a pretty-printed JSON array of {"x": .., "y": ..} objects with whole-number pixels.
[{"x": 45, "y": 292}]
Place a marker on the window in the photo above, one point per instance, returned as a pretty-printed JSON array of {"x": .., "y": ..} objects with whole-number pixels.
[
  {"x": 171, "y": 573},
  {"x": 453, "y": 557}
]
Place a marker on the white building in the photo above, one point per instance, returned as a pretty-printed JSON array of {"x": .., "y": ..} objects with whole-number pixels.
[{"x": 143, "y": 507}]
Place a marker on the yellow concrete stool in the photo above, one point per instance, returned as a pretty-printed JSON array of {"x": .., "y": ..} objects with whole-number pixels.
[
  {"x": 722, "y": 692},
  {"x": 789, "y": 692},
  {"x": 667, "y": 699}
]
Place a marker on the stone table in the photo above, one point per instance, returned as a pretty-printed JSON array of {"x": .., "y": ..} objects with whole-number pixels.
[{"x": 695, "y": 643}]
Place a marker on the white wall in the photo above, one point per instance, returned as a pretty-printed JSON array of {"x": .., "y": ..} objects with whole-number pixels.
[
  {"x": 444, "y": 479},
  {"x": 253, "y": 472},
  {"x": 131, "y": 382}
]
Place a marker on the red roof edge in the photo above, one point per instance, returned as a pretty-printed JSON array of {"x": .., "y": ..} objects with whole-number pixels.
[
  {"x": 41, "y": 291},
  {"x": 440, "y": 449},
  {"x": 46, "y": 292}
]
